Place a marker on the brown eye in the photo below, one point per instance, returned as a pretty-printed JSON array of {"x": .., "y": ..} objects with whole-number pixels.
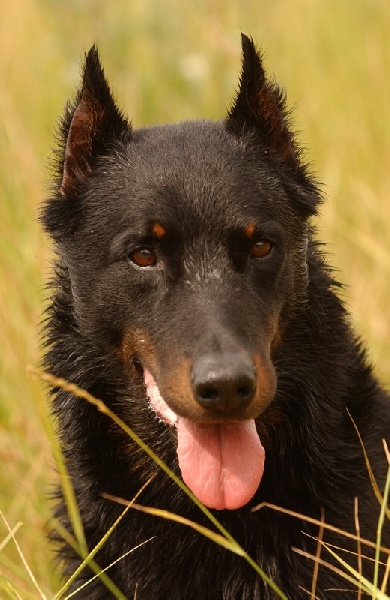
[
  {"x": 143, "y": 257},
  {"x": 261, "y": 249}
]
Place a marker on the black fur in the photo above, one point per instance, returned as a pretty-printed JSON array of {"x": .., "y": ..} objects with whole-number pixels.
[{"x": 214, "y": 189}]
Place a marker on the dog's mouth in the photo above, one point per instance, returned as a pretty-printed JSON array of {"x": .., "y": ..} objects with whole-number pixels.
[{"x": 222, "y": 463}]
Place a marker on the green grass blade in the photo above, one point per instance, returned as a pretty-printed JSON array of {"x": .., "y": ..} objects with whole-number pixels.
[
  {"x": 106, "y": 568},
  {"x": 165, "y": 514},
  {"x": 381, "y": 521},
  {"x": 30, "y": 573},
  {"x": 66, "y": 485},
  {"x": 357, "y": 578},
  {"x": 118, "y": 594},
  {"x": 77, "y": 543},
  {"x": 371, "y": 475},
  {"x": 10, "y": 536}
]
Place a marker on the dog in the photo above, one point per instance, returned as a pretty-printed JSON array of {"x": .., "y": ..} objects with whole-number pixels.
[{"x": 190, "y": 295}]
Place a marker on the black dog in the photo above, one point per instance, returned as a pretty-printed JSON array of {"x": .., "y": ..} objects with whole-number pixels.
[{"x": 190, "y": 297}]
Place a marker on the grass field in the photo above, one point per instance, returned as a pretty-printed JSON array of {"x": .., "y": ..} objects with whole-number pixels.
[{"x": 170, "y": 61}]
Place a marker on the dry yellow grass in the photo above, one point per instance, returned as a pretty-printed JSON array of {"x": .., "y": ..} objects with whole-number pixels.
[{"x": 166, "y": 63}]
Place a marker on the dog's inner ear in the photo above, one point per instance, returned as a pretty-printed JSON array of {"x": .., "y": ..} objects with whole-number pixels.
[
  {"x": 261, "y": 106},
  {"x": 90, "y": 126}
]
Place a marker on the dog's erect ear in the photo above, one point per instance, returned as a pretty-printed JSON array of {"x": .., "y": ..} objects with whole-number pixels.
[
  {"x": 90, "y": 126},
  {"x": 261, "y": 106}
]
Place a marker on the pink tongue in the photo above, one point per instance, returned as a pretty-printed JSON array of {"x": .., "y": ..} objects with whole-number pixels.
[{"x": 221, "y": 464}]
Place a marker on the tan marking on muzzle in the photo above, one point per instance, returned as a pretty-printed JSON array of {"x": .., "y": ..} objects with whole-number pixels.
[
  {"x": 177, "y": 392},
  {"x": 276, "y": 335},
  {"x": 137, "y": 345}
]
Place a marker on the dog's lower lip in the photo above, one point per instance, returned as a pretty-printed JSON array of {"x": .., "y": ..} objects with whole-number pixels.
[{"x": 156, "y": 401}]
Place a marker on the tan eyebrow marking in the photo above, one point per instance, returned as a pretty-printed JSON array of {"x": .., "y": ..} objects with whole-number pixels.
[
  {"x": 158, "y": 230},
  {"x": 250, "y": 230}
]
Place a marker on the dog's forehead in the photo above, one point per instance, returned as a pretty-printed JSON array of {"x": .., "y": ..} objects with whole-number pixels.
[
  {"x": 192, "y": 153},
  {"x": 195, "y": 169},
  {"x": 184, "y": 140}
]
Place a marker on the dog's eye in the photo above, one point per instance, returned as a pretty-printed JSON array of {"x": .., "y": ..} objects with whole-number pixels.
[
  {"x": 143, "y": 257},
  {"x": 261, "y": 249}
]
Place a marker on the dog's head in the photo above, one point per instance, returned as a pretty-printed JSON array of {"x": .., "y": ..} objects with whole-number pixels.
[{"x": 186, "y": 250}]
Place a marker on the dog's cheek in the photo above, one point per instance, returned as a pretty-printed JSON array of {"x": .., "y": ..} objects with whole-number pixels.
[{"x": 109, "y": 301}]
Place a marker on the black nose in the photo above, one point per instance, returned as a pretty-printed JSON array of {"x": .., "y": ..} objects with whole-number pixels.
[{"x": 225, "y": 382}]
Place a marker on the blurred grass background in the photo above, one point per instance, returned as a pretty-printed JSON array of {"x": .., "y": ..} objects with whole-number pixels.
[{"x": 168, "y": 61}]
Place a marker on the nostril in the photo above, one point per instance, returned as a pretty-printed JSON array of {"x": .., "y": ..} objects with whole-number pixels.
[
  {"x": 208, "y": 394},
  {"x": 245, "y": 391}
]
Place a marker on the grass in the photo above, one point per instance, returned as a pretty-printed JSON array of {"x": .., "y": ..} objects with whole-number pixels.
[{"x": 166, "y": 64}]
